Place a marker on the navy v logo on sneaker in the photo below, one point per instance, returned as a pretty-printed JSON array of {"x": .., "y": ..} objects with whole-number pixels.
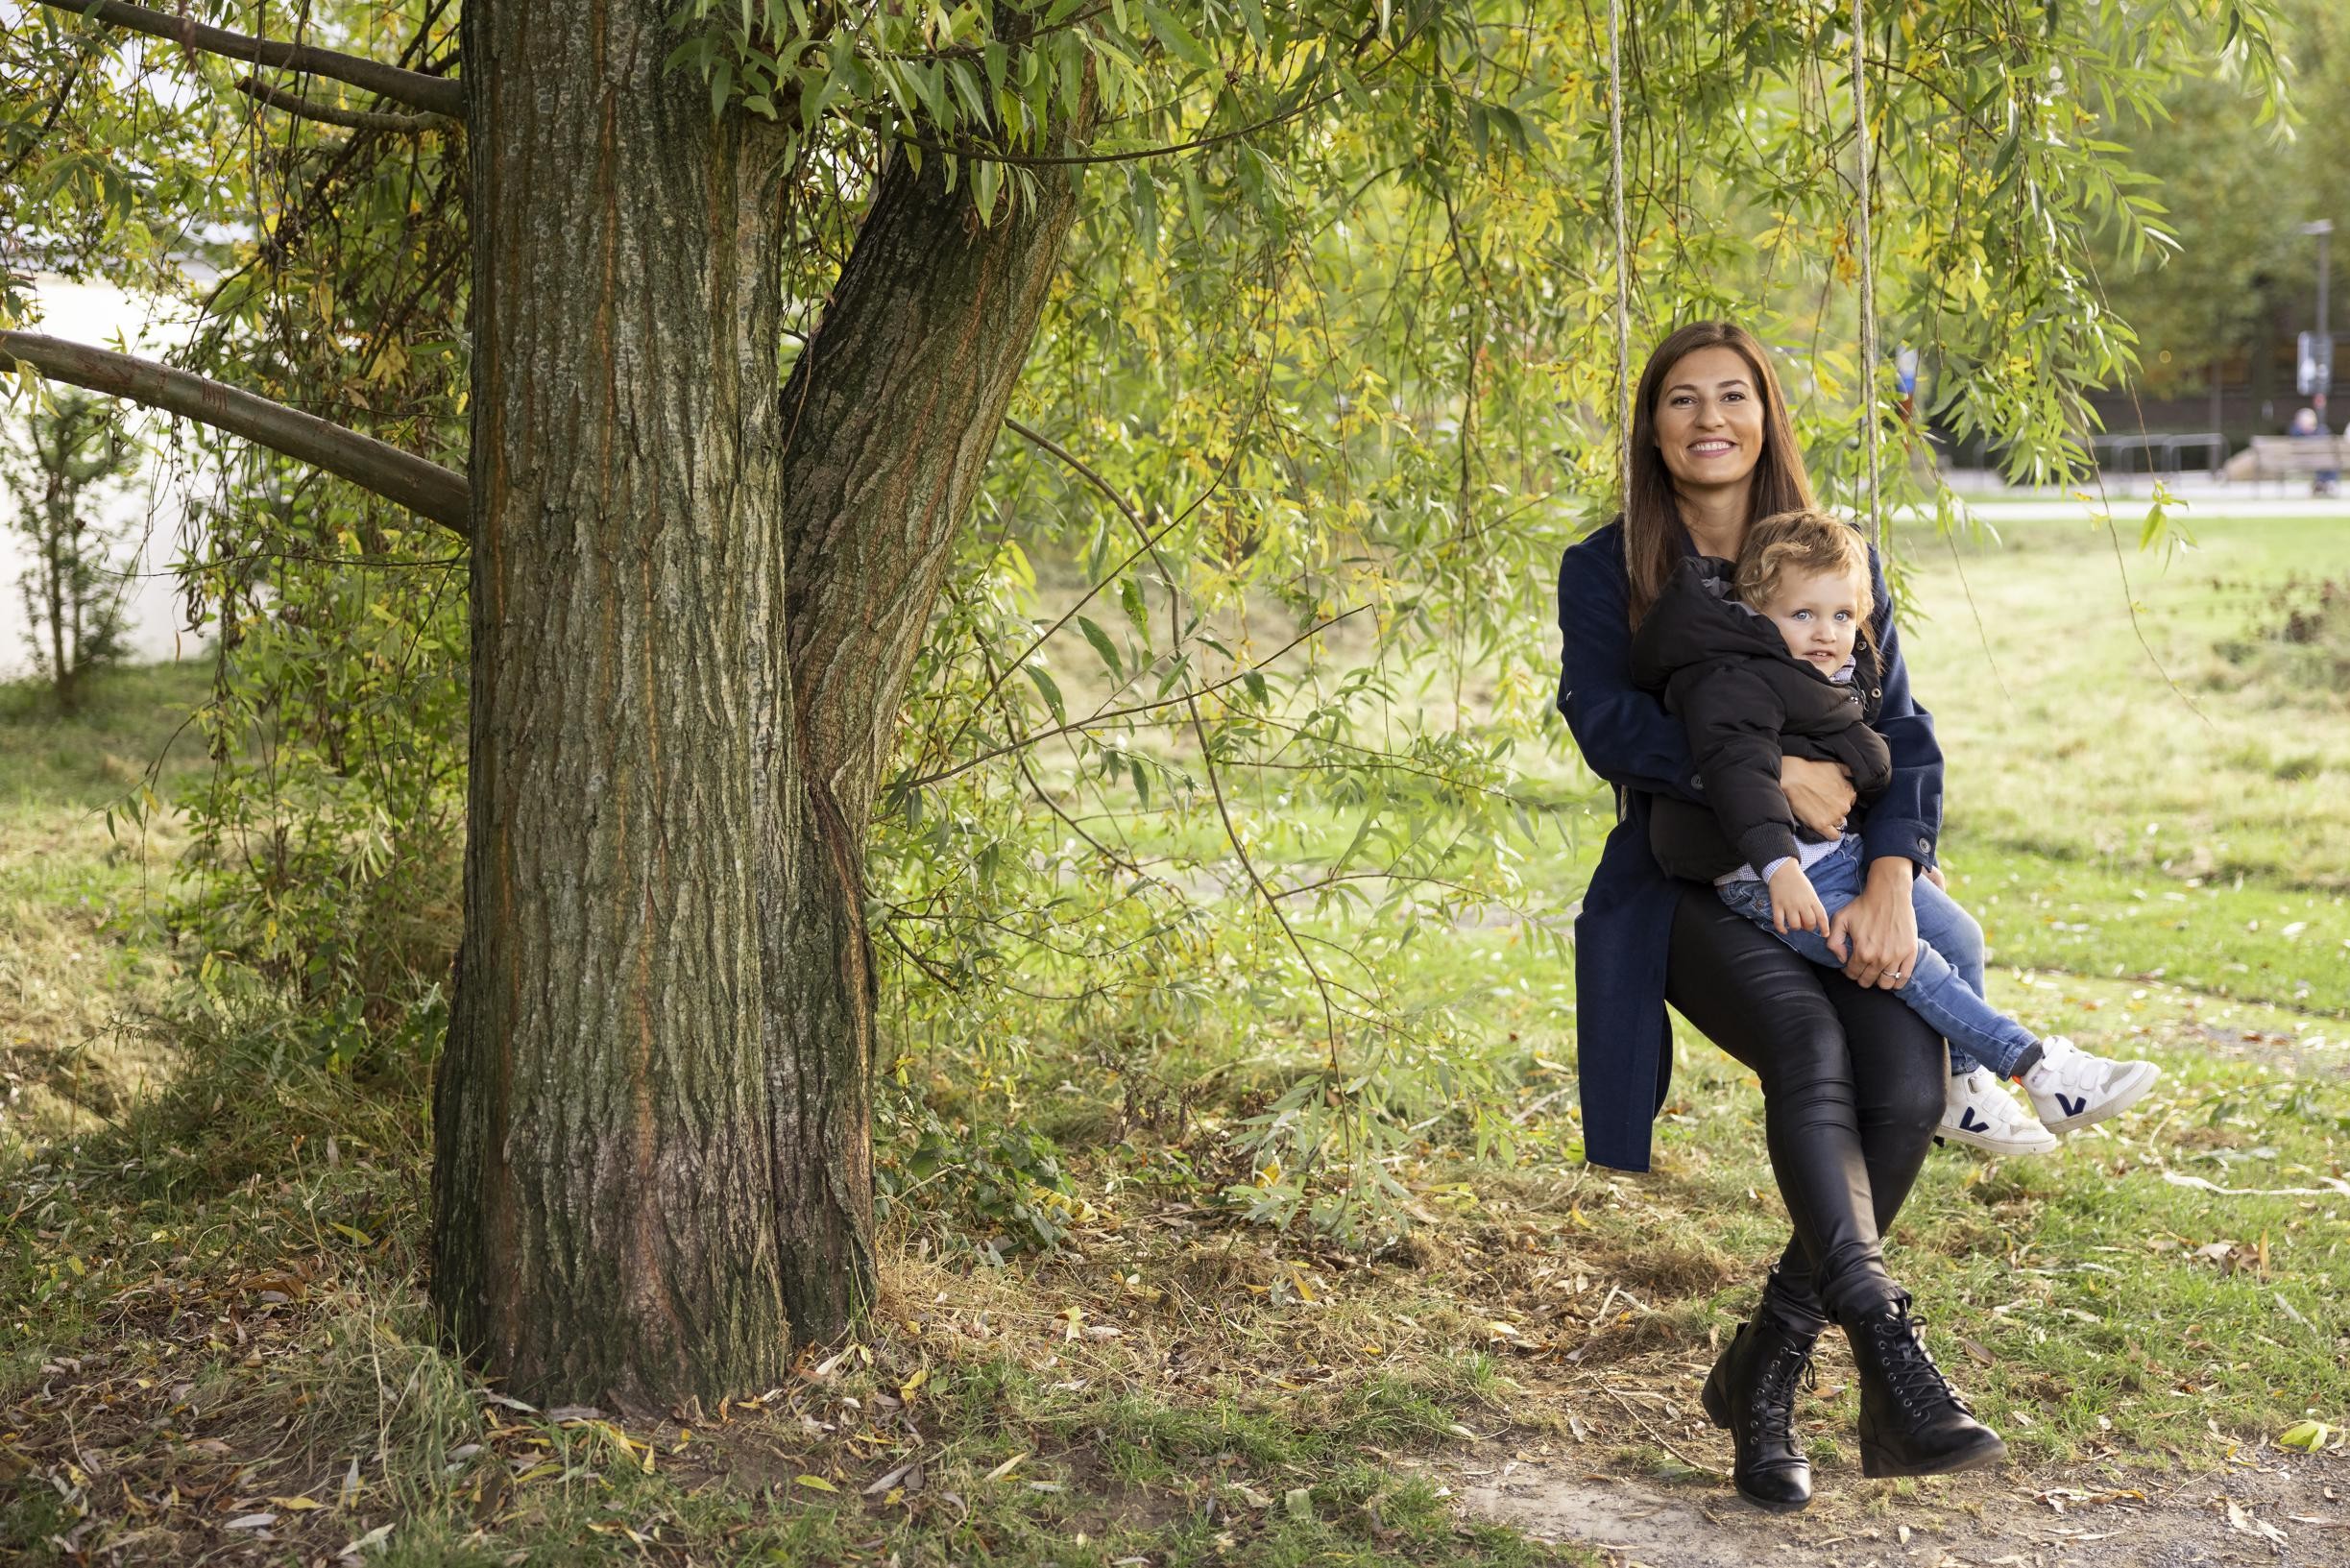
[
  {"x": 2072, "y": 1106},
  {"x": 1969, "y": 1122}
]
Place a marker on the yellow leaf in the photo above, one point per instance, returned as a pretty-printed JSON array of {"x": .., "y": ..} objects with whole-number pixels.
[
  {"x": 817, "y": 1482},
  {"x": 295, "y": 1504},
  {"x": 906, "y": 1389},
  {"x": 1006, "y": 1467}
]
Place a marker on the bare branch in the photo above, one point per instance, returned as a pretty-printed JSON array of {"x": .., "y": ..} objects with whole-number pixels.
[
  {"x": 351, "y": 119},
  {"x": 419, "y": 484},
  {"x": 1108, "y": 715},
  {"x": 433, "y": 94}
]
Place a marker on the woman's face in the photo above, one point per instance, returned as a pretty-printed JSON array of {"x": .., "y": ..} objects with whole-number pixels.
[{"x": 1708, "y": 420}]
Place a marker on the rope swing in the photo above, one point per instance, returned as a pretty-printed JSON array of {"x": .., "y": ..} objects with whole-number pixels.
[
  {"x": 1623, "y": 252},
  {"x": 1867, "y": 248},
  {"x": 1868, "y": 279}
]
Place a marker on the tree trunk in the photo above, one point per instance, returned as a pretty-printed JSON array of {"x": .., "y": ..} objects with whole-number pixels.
[
  {"x": 601, "y": 1228},
  {"x": 61, "y": 666},
  {"x": 888, "y": 417},
  {"x": 652, "y": 1160}
]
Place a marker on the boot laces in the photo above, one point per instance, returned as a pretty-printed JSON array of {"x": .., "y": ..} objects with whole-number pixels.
[
  {"x": 1909, "y": 1367},
  {"x": 1773, "y": 1407}
]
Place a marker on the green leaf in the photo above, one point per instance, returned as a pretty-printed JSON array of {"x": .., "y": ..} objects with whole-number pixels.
[
  {"x": 1051, "y": 693},
  {"x": 1103, "y": 645},
  {"x": 1362, "y": 831},
  {"x": 986, "y": 177},
  {"x": 1176, "y": 38}
]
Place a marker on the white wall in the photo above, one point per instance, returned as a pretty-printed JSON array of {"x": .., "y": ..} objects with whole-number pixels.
[{"x": 156, "y": 503}]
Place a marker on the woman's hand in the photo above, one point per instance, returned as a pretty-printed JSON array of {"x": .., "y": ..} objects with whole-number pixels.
[
  {"x": 1876, "y": 933},
  {"x": 1820, "y": 794}
]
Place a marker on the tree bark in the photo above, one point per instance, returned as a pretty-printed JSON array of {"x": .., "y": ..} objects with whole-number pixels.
[
  {"x": 694, "y": 606},
  {"x": 418, "y": 483},
  {"x": 435, "y": 94},
  {"x": 889, "y": 415},
  {"x": 601, "y": 1225}
]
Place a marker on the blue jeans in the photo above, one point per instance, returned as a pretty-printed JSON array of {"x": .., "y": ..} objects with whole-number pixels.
[{"x": 1946, "y": 981}]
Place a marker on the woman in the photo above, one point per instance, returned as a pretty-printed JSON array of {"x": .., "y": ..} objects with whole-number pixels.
[{"x": 1854, "y": 1084}]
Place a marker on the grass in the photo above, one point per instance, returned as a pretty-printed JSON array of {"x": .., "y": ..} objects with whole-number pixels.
[
  {"x": 213, "y": 1276},
  {"x": 79, "y": 955}
]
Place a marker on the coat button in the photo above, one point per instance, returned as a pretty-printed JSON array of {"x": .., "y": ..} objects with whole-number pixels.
[{"x": 1926, "y": 846}]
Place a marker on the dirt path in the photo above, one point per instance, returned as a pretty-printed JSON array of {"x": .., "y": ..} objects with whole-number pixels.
[{"x": 2281, "y": 1509}]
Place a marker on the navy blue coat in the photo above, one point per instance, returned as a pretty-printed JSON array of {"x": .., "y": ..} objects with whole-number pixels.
[{"x": 1624, "y": 1040}]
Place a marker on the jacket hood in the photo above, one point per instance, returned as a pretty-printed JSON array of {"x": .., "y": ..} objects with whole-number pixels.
[{"x": 1694, "y": 622}]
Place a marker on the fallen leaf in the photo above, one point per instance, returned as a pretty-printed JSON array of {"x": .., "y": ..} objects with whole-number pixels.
[
  {"x": 2309, "y": 1436},
  {"x": 2239, "y": 1520},
  {"x": 373, "y": 1538}
]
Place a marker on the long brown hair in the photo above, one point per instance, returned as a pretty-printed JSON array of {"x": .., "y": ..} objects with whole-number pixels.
[{"x": 1653, "y": 531}]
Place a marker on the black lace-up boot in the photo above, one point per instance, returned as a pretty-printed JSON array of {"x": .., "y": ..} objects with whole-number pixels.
[
  {"x": 1913, "y": 1423},
  {"x": 1752, "y": 1391}
]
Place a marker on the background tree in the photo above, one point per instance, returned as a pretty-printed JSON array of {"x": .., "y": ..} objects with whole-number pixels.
[
  {"x": 2236, "y": 280},
  {"x": 70, "y": 466},
  {"x": 1300, "y": 320}
]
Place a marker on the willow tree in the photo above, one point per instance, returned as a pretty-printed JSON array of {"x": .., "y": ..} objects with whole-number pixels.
[{"x": 1317, "y": 302}]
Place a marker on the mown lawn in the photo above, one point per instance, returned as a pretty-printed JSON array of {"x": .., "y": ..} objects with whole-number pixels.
[{"x": 215, "y": 1339}]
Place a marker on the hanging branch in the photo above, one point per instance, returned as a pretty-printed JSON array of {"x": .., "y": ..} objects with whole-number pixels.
[
  {"x": 417, "y": 483},
  {"x": 433, "y": 94},
  {"x": 349, "y": 119}
]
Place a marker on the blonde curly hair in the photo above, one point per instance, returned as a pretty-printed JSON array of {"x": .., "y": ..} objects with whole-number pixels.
[{"x": 1805, "y": 541}]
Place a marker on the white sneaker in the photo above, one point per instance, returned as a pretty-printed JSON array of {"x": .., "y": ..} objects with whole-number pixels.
[
  {"x": 1980, "y": 1111},
  {"x": 2071, "y": 1089}
]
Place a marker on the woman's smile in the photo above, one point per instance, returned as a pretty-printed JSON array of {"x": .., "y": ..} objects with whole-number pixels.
[{"x": 1709, "y": 422}]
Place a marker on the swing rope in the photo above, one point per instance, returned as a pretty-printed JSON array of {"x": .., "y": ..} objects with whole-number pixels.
[
  {"x": 1623, "y": 252},
  {"x": 1868, "y": 280},
  {"x": 1623, "y": 261}
]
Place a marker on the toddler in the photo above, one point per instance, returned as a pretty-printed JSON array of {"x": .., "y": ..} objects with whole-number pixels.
[{"x": 1774, "y": 658}]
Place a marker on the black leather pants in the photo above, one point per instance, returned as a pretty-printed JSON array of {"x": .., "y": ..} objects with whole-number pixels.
[{"x": 1853, "y": 1087}]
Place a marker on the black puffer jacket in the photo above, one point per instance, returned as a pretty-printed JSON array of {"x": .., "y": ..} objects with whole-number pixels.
[{"x": 1745, "y": 701}]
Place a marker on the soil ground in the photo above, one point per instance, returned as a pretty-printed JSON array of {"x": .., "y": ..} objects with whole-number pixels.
[{"x": 2274, "y": 1508}]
